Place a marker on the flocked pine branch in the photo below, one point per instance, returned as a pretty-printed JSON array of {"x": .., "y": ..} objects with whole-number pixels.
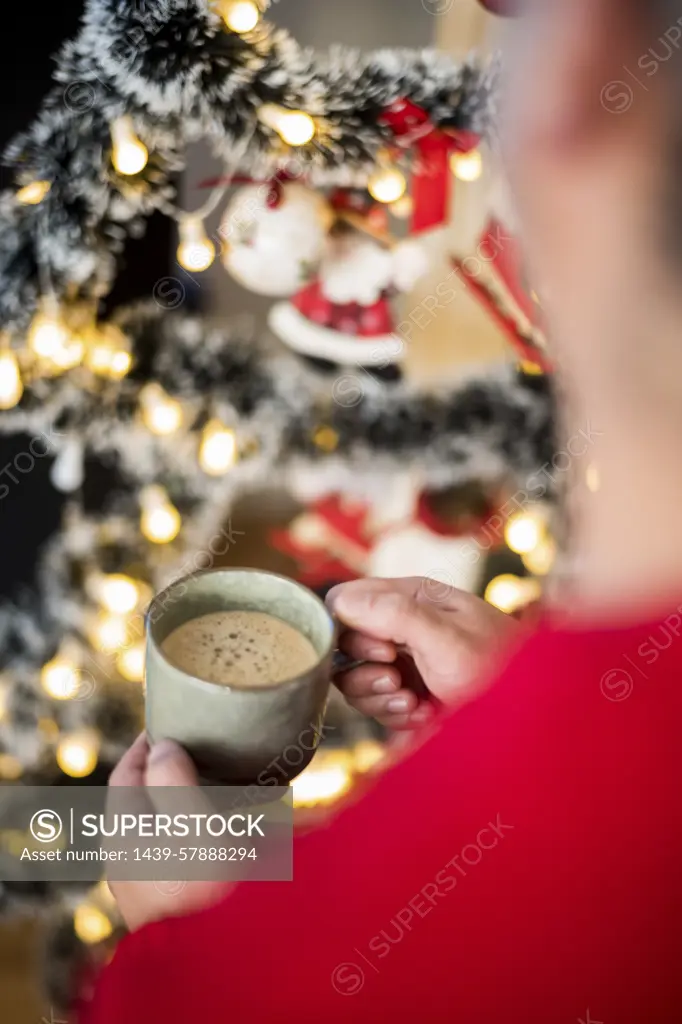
[{"x": 170, "y": 65}]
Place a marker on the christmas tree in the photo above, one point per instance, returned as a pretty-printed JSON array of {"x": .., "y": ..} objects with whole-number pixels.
[{"x": 188, "y": 416}]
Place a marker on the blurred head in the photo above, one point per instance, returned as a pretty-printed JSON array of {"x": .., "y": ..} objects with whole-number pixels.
[{"x": 592, "y": 132}]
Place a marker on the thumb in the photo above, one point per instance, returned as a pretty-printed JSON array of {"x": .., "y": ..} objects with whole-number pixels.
[
  {"x": 169, "y": 765},
  {"x": 389, "y": 613}
]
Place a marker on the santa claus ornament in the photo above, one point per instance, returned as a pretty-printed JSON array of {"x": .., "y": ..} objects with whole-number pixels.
[{"x": 343, "y": 317}]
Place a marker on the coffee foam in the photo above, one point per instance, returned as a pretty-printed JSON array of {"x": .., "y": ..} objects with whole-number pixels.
[{"x": 244, "y": 649}]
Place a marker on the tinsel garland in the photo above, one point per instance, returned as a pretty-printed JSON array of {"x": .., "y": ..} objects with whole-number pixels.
[{"x": 171, "y": 66}]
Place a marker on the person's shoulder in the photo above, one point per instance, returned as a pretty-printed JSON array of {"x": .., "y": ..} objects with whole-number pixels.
[
  {"x": 562, "y": 673},
  {"x": 614, "y": 658}
]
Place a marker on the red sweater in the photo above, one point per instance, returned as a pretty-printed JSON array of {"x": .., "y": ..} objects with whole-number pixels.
[{"x": 524, "y": 865}]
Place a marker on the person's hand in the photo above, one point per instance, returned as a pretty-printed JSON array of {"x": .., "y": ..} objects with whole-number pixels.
[
  {"x": 164, "y": 764},
  {"x": 417, "y": 650}
]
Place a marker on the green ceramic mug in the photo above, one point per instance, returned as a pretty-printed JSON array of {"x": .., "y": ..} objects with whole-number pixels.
[{"x": 264, "y": 736}]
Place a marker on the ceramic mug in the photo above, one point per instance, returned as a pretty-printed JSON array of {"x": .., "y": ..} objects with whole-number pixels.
[{"x": 238, "y": 736}]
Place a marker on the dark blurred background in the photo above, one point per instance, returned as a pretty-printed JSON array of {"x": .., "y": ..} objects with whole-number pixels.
[{"x": 30, "y": 513}]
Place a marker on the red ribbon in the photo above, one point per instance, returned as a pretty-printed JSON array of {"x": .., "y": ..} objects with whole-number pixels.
[
  {"x": 525, "y": 347},
  {"x": 432, "y": 177},
  {"x": 503, "y": 252}
]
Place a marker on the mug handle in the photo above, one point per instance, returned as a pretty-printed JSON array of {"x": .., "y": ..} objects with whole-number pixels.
[{"x": 343, "y": 663}]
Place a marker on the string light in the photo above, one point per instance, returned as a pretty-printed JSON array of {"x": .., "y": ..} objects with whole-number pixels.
[
  {"x": 48, "y": 335},
  {"x": 108, "y": 632},
  {"x": 91, "y": 924},
  {"x": 5, "y": 690},
  {"x": 387, "y": 184},
  {"x": 218, "y": 448},
  {"x": 367, "y": 754},
  {"x": 530, "y": 368},
  {"x": 60, "y": 677},
  {"x": 70, "y": 355},
  {"x": 77, "y": 753},
  {"x": 34, "y": 193},
  {"x": 196, "y": 251},
  {"x": 107, "y": 351},
  {"x": 48, "y": 728},
  {"x": 240, "y": 15},
  {"x": 326, "y": 438},
  {"x": 509, "y": 593},
  {"x": 50, "y": 338},
  {"x": 121, "y": 362},
  {"x": 118, "y": 593},
  {"x": 160, "y": 521},
  {"x": 11, "y": 386},
  {"x": 160, "y": 413},
  {"x": 130, "y": 663},
  {"x": 402, "y": 207},
  {"x": 321, "y": 784},
  {"x": 10, "y": 767},
  {"x": 524, "y": 530},
  {"x": 467, "y": 166},
  {"x": 130, "y": 155},
  {"x": 294, "y": 127},
  {"x": 541, "y": 559}
]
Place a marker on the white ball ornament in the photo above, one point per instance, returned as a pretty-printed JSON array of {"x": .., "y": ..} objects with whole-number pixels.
[{"x": 272, "y": 248}]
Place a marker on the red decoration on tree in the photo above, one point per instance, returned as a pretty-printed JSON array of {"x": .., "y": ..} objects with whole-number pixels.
[
  {"x": 503, "y": 251},
  {"x": 523, "y": 343},
  {"x": 432, "y": 178}
]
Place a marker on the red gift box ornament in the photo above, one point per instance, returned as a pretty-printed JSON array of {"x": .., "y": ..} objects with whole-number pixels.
[{"x": 432, "y": 178}]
